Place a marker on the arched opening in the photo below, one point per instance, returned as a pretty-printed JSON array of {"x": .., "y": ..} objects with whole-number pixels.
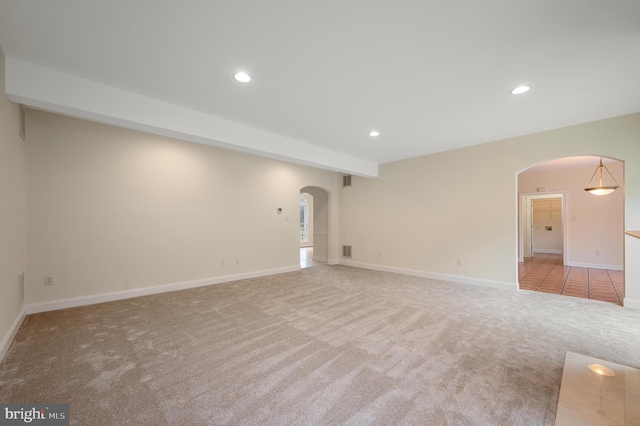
[
  {"x": 314, "y": 226},
  {"x": 571, "y": 242}
]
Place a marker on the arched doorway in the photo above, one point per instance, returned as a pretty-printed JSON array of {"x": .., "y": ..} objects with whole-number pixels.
[
  {"x": 589, "y": 262},
  {"x": 314, "y": 226}
]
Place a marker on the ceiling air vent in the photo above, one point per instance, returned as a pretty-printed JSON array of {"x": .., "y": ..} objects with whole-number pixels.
[
  {"x": 346, "y": 180},
  {"x": 346, "y": 251}
]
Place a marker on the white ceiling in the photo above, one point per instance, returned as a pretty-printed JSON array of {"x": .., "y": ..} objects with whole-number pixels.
[{"x": 429, "y": 75}]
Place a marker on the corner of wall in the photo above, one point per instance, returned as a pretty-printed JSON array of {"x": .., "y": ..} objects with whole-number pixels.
[
  {"x": 631, "y": 303},
  {"x": 7, "y": 340},
  {"x": 12, "y": 217}
]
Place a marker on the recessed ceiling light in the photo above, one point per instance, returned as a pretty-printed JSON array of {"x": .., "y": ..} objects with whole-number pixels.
[
  {"x": 374, "y": 133},
  {"x": 520, "y": 90},
  {"x": 242, "y": 77}
]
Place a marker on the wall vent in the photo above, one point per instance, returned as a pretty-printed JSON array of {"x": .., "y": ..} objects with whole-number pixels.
[
  {"x": 346, "y": 251},
  {"x": 346, "y": 180}
]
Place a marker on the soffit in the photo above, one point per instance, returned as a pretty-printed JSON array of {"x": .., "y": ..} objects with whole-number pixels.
[{"x": 430, "y": 76}]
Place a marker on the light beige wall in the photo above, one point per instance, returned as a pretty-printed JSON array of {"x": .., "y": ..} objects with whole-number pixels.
[
  {"x": 111, "y": 209},
  {"x": 13, "y": 237},
  {"x": 595, "y": 223},
  {"x": 424, "y": 213},
  {"x": 321, "y": 238}
]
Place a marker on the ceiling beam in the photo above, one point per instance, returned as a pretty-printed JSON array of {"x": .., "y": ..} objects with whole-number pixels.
[{"x": 51, "y": 90}]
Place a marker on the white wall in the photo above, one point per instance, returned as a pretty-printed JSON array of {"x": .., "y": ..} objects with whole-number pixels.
[
  {"x": 595, "y": 223},
  {"x": 13, "y": 235},
  {"x": 423, "y": 214},
  {"x": 111, "y": 209}
]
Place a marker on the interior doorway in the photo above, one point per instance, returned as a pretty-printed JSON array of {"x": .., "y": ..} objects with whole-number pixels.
[
  {"x": 306, "y": 257},
  {"x": 543, "y": 224},
  {"x": 314, "y": 226},
  {"x": 588, "y": 260}
]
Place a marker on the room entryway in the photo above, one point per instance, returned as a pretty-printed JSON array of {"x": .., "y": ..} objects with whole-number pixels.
[
  {"x": 570, "y": 240},
  {"x": 314, "y": 226},
  {"x": 306, "y": 257},
  {"x": 543, "y": 224}
]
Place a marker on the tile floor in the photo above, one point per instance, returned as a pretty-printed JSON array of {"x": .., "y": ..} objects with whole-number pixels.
[
  {"x": 545, "y": 272},
  {"x": 306, "y": 257}
]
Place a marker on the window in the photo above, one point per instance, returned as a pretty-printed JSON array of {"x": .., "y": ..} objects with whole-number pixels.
[{"x": 304, "y": 221}]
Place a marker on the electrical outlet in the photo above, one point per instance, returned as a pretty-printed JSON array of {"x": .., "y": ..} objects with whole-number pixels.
[
  {"x": 222, "y": 262},
  {"x": 597, "y": 252},
  {"x": 460, "y": 261},
  {"x": 48, "y": 280},
  {"x": 237, "y": 260}
]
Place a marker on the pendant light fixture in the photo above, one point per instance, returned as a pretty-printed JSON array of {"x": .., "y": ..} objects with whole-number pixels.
[{"x": 601, "y": 189}]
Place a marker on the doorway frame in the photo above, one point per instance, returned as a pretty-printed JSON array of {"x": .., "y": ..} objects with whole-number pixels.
[
  {"x": 317, "y": 256},
  {"x": 524, "y": 218}
]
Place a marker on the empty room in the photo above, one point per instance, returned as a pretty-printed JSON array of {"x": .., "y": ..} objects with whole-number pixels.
[{"x": 459, "y": 181}]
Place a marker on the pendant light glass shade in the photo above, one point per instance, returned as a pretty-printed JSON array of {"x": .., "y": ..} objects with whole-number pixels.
[{"x": 601, "y": 189}]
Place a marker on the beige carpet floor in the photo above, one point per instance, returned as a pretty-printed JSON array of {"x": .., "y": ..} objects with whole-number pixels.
[{"x": 323, "y": 346}]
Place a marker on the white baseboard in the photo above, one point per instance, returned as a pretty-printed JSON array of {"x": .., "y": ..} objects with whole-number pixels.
[
  {"x": 320, "y": 259},
  {"x": 595, "y": 266},
  {"x": 434, "y": 275},
  {"x": 631, "y": 303},
  {"x": 34, "y": 308},
  {"x": 11, "y": 333},
  {"x": 547, "y": 251}
]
